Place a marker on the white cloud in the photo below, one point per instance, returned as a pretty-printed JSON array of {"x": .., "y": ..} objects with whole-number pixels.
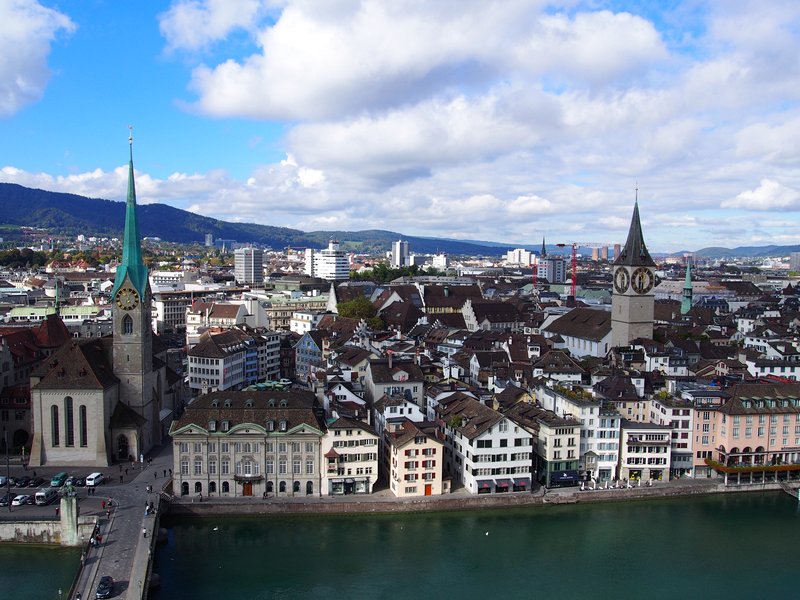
[
  {"x": 27, "y": 29},
  {"x": 193, "y": 25},
  {"x": 770, "y": 195}
]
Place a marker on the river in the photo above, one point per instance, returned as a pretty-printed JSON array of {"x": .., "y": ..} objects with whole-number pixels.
[
  {"x": 37, "y": 571},
  {"x": 721, "y": 546}
]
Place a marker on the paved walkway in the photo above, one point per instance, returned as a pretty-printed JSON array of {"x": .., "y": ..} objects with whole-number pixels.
[{"x": 124, "y": 551}]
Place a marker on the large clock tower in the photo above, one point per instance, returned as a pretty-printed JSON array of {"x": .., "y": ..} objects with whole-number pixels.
[
  {"x": 133, "y": 334},
  {"x": 633, "y": 303}
]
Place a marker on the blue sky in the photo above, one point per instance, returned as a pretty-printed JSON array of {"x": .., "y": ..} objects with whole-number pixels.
[{"x": 465, "y": 119}]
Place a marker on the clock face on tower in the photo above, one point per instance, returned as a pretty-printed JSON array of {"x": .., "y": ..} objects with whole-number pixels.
[
  {"x": 642, "y": 280},
  {"x": 621, "y": 281},
  {"x": 127, "y": 299}
]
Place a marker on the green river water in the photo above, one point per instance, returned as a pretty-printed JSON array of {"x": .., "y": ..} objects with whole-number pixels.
[{"x": 722, "y": 546}]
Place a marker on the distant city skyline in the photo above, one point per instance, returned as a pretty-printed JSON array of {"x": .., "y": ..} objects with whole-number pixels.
[{"x": 465, "y": 120}]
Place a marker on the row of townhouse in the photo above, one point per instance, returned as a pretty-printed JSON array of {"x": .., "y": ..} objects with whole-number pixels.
[{"x": 233, "y": 359}]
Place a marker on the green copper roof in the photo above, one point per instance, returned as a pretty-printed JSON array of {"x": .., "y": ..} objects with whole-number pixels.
[
  {"x": 132, "y": 264},
  {"x": 635, "y": 253}
]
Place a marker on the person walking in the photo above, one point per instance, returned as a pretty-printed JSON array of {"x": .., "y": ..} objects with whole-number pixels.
[{"x": 144, "y": 532}]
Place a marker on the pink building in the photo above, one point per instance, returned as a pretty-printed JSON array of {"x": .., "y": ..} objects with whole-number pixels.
[{"x": 753, "y": 437}]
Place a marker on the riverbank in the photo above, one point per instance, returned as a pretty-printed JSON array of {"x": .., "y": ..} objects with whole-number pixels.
[{"x": 460, "y": 500}]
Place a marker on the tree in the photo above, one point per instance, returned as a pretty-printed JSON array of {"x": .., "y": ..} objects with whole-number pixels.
[{"x": 361, "y": 308}]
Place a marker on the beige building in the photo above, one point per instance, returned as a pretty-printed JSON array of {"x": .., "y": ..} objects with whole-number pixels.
[
  {"x": 233, "y": 444},
  {"x": 350, "y": 458},
  {"x": 415, "y": 462},
  {"x": 645, "y": 451}
]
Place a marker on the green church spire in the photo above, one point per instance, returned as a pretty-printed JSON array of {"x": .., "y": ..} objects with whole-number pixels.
[
  {"x": 132, "y": 264},
  {"x": 686, "y": 303}
]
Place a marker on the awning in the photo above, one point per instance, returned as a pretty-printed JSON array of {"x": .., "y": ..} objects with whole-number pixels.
[
  {"x": 483, "y": 483},
  {"x": 522, "y": 481},
  {"x": 502, "y": 482},
  {"x": 565, "y": 477}
]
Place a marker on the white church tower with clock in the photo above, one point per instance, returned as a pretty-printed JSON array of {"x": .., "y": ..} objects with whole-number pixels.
[{"x": 633, "y": 302}]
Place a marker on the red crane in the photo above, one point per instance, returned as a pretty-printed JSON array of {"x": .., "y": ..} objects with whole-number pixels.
[{"x": 574, "y": 287}]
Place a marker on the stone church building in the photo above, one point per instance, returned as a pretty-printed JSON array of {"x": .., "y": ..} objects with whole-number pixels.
[{"x": 102, "y": 400}]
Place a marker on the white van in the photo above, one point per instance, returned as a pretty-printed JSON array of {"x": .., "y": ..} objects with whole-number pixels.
[
  {"x": 46, "y": 496},
  {"x": 94, "y": 479}
]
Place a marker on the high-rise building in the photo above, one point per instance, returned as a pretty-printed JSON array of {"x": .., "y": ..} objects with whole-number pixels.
[
  {"x": 794, "y": 261},
  {"x": 604, "y": 252},
  {"x": 519, "y": 256},
  {"x": 440, "y": 261},
  {"x": 552, "y": 268},
  {"x": 399, "y": 253},
  {"x": 209, "y": 240},
  {"x": 617, "y": 249},
  {"x": 331, "y": 264},
  {"x": 249, "y": 266}
]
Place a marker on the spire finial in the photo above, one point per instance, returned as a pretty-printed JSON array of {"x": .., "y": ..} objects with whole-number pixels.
[
  {"x": 637, "y": 192},
  {"x": 130, "y": 134}
]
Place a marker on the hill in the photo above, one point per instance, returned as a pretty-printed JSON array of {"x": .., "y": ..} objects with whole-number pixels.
[{"x": 70, "y": 214}]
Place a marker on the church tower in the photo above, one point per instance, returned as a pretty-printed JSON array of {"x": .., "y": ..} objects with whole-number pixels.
[
  {"x": 133, "y": 335},
  {"x": 686, "y": 303},
  {"x": 633, "y": 303}
]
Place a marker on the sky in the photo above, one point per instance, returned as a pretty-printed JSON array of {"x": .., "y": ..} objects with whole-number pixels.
[{"x": 506, "y": 121}]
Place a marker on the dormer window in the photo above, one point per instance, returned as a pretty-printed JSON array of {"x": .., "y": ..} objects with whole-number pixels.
[
  {"x": 248, "y": 403},
  {"x": 270, "y": 425},
  {"x": 282, "y": 425},
  {"x": 271, "y": 402},
  {"x": 215, "y": 403},
  {"x": 212, "y": 425},
  {"x": 283, "y": 403},
  {"x": 225, "y": 426},
  {"x": 227, "y": 403}
]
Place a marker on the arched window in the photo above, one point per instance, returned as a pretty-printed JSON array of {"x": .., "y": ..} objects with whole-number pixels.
[
  {"x": 127, "y": 325},
  {"x": 309, "y": 488},
  {"x": 198, "y": 488},
  {"x": 282, "y": 487},
  {"x": 122, "y": 448},
  {"x": 226, "y": 487},
  {"x": 83, "y": 429},
  {"x": 55, "y": 432},
  {"x": 212, "y": 487},
  {"x": 270, "y": 487},
  {"x": 69, "y": 424},
  {"x": 185, "y": 488},
  {"x": 296, "y": 487}
]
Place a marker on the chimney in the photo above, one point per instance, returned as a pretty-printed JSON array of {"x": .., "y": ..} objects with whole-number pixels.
[{"x": 390, "y": 358}]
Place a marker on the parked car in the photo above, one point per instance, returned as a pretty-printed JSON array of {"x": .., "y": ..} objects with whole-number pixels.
[
  {"x": 36, "y": 482},
  {"x": 31, "y": 501},
  {"x": 58, "y": 479},
  {"x": 3, "y": 481},
  {"x": 5, "y": 499},
  {"x": 23, "y": 481},
  {"x": 105, "y": 587},
  {"x": 79, "y": 482},
  {"x": 20, "y": 500}
]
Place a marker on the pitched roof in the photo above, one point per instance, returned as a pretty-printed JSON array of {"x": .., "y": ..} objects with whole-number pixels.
[
  {"x": 635, "y": 252},
  {"x": 471, "y": 417},
  {"x": 582, "y": 323},
  {"x": 81, "y": 364}
]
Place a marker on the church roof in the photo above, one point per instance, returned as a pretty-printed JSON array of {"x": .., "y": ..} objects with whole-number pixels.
[
  {"x": 132, "y": 264},
  {"x": 81, "y": 364},
  {"x": 635, "y": 253}
]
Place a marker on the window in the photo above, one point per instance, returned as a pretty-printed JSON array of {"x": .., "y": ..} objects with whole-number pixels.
[
  {"x": 198, "y": 466},
  {"x": 83, "y": 428},
  {"x": 198, "y": 447},
  {"x": 54, "y": 429},
  {"x": 127, "y": 325},
  {"x": 309, "y": 466},
  {"x": 296, "y": 466},
  {"x": 212, "y": 467},
  {"x": 185, "y": 466},
  {"x": 269, "y": 466},
  {"x": 282, "y": 466},
  {"x": 503, "y": 426},
  {"x": 226, "y": 467},
  {"x": 69, "y": 425},
  {"x": 184, "y": 447}
]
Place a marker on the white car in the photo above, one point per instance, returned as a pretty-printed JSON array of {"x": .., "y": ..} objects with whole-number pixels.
[{"x": 20, "y": 500}]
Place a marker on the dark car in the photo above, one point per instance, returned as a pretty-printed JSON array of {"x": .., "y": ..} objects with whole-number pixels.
[
  {"x": 31, "y": 501},
  {"x": 105, "y": 587},
  {"x": 79, "y": 482},
  {"x": 6, "y": 499},
  {"x": 36, "y": 482},
  {"x": 23, "y": 481}
]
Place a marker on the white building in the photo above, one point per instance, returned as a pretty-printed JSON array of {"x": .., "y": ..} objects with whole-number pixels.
[
  {"x": 646, "y": 451},
  {"x": 440, "y": 261},
  {"x": 553, "y": 269},
  {"x": 485, "y": 450},
  {"x": 249, "y": 265},
  {"x": 399, "y": 253},
  {"x": 349, "y": 458},
  {"x": 520, "y": 256},
  {"x": 331, "y": 264}
]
